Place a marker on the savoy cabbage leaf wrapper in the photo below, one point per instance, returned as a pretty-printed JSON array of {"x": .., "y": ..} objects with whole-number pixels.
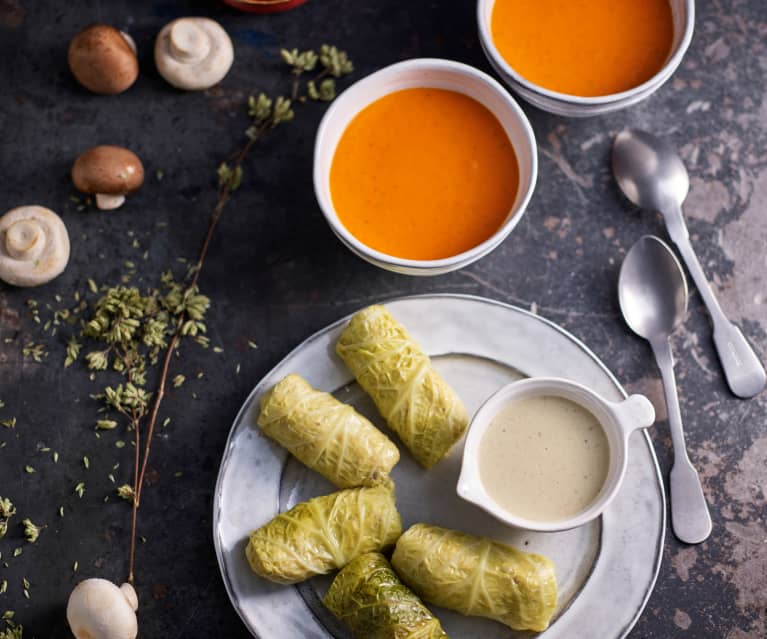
[
  {"x": 477, "y": 576},
  {"x": 326, "y": 435},
  {"x": 410, "y": 394},
  {"x": 368, "y": 596},
  {"x": 324, "y": 533}
]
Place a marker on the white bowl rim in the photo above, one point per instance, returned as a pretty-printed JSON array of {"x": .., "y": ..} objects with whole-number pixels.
[
  {"x": 554, "y": 386},
  {"x": 474, "y": 253},
  {"x": 658, "y": 78}
]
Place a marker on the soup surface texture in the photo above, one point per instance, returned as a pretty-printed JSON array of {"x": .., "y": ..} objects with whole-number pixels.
[
  {"x": 584, "y": 48},
  {"x": 424, "y": 174},
  {"x": 544, "y": 458}
]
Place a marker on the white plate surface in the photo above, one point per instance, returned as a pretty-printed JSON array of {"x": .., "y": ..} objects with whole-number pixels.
[{"x": 605, "y": 570}]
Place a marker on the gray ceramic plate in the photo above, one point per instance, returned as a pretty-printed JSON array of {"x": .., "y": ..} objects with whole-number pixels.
[{"x": 605, "y": 570}]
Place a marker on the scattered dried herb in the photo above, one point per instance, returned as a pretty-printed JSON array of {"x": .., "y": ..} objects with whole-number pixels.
[
  {"x": 12, "y": 631},
  {"x": 34, "y": 351},
  {"x": 31, "y": 532},
  {"x": 125, "y": 492},
  {"x": 7, "y": 510}
]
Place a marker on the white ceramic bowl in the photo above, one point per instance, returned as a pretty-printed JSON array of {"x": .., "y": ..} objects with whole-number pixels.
[
  {"x": 618, "y": 420},
  {"x": 683, "y": 15},
  {"x": 442, "y": 74}
]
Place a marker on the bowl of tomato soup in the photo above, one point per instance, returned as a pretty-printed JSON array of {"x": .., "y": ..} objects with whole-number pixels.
[
  {"x": 585, "y": 58},
  {"x": 424, "y": 166}
]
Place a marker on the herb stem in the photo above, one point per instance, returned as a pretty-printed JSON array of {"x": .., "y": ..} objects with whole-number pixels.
[
  {"x": 224, "y": 195},
  {"x": 134, "y": 517}
]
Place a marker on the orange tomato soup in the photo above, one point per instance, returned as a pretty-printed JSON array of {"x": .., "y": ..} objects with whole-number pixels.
[
  {"x": 584, "y": 47},
  {"x": 424, "y": 174}
]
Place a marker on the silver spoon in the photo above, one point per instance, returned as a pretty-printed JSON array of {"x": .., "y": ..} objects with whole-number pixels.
[
  {"x": 652, "y": 176},
  {"x": 653, "y": 297}
]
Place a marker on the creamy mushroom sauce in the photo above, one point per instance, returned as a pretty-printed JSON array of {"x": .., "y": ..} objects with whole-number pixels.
[{"x": 543, "y": 458}]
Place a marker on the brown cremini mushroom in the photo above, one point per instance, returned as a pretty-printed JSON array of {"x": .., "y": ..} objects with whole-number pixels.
[
  {"x": 103, "y": 59},
  {"x": 109, "y": 173},
  {"x": 34, "y": 246}
]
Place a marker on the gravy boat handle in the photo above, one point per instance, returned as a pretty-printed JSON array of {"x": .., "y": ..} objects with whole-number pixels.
[{"x": 636, "y": 411}]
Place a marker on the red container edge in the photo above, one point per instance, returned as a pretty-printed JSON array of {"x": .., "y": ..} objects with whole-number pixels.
[{"x": 264, "y": 6}]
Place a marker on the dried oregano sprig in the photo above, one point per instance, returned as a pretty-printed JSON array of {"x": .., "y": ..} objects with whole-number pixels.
[
  {"x": 126, "y": 332},
  {"x": 266, "y": 114}
]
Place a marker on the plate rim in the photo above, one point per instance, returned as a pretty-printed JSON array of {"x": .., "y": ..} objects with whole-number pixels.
[{"x": 215, "y": 520}]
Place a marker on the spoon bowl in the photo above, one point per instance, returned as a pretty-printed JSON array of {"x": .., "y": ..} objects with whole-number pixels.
[
  {"x": 652, "y": 289},
  {"x": 648, "y": 170}
]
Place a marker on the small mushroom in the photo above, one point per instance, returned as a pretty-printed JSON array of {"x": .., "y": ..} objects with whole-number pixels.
[
  {"x": 193, "y": 53},
  {"x": 103, "y": 59},
  {"x": 34, "y": 246},
  {"x": 98, "y": 609},
  {"x": 108, "y": 172}
]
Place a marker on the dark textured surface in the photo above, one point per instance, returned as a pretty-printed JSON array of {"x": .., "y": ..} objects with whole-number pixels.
[{"x": 276, "y": 274}]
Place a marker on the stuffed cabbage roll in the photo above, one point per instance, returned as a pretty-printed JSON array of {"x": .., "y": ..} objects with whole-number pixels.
[
  {"x": 324, "y": 533},
  {"x": 477, "y": 576},
  {"x": 410, "y": 394},
  {"x": 326, "y": 435},
  {"x": 368, "y": 596}
]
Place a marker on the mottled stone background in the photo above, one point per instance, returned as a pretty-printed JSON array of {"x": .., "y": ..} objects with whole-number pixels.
[{"x": 276, "y": 274}]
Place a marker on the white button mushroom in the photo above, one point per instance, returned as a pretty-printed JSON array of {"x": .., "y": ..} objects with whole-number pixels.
[
  {"x": 97, "y": 609},
  {"x": 34, "y": 246},
  {"x": 193, "y": 53},
  {"x": 109, "y": 173}
]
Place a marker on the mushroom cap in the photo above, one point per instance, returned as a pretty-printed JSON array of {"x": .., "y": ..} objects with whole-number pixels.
[
  {"x": 98, "y": 609},
  {"x": 112, "y": 170},
  {"x": 193, "y": 53},
  {"x": 102, "y": 60},
  {"x": 34, "y": 246}
]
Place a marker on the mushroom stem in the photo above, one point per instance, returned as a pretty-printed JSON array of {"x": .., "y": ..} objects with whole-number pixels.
[
  {"x": 107, "y": 202},
  {"x": 130, "y": 595},
  {"x": 188, "y": 42},
  {"x": 131, "y": 42},
  {"x": 21, "y": 239}
]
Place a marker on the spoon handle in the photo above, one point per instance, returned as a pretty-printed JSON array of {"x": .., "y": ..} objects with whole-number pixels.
[
  {"x": 690, "y": 518},
  {"x": 744, "y": 372}
]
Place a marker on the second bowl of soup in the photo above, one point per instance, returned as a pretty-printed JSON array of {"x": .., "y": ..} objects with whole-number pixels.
[
  {"x": 425, "y": 166},
  {"x": 588, "y": 57}
]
